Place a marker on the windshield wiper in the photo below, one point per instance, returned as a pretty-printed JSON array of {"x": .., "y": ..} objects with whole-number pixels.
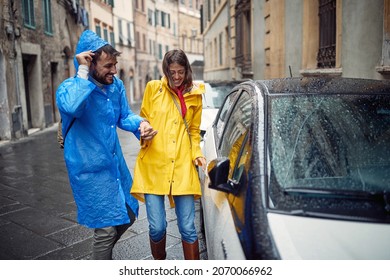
[{"x": 382, "y": 196}]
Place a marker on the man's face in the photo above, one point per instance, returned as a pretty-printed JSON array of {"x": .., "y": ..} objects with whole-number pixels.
[{"x": 104, "y": 69}]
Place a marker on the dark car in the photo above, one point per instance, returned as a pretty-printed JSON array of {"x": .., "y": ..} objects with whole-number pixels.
[{"x": 299, "y": 168}]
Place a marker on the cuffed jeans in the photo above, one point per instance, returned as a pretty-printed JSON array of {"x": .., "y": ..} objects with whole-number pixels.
[
  {"x": 185, "y": 213},
  {"x": 104, "y": 239}
]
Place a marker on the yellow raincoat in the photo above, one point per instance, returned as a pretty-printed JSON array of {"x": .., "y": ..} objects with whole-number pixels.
[{"x": 166, "y": 165}]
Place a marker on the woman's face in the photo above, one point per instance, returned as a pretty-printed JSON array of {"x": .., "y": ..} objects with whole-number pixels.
[{"x": 177, "y": 73}]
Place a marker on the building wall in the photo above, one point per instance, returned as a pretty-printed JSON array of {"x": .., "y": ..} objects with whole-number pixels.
[
  {"x": 218, "y": 41},
  {"x": 101, "y": 15},
  {"x": 154, "y": 39},
  {"x": 9, "y": 92},
  {"x": 362, "y": 38},
  {"x": 142, "y": 28},
  {"x": 5, "y": 125},
  {"x": 293, "y": 38},
  {"x": 285, "y": 39},
  {"x": 34, "y": 63},
  {"x": 258, "y": 43},
  {"x": 275, "y": 15},
  {"x": 166, "y": 37},
  {"x": 190, "y": 37},
  {"x": 125, "y": 43}
]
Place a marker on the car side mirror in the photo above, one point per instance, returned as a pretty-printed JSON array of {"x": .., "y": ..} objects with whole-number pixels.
[{"x": 218, "y": 172}]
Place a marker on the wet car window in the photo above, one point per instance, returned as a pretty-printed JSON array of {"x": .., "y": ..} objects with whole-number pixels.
[
  {"x": 223, "y": 115},
  {"x": 330, "y": 142},
  {"x": 238, "y": 123},
  {"x": 240, "y": 157},
  {"x": 236, "y": 146},
  {"x": 215, "y": 95}
]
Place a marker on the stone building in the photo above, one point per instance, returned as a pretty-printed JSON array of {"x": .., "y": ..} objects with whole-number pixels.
[
  {"x": 261, "y": 39},
  {"x": 190, "y": 35},
  {"x": 162, "y": 25},
  {"x": 125, "y": 43},
  {"x": 37, "y": 39},
  {"x": 156, "y": 27}
]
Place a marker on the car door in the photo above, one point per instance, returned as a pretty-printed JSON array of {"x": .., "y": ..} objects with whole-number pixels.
[
  {"x": 228, "y": 138},
  {"x": 215, "y": 206},
  {"x": 235, "y": 144}
]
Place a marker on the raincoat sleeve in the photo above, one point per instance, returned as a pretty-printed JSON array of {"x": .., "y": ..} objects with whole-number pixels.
[
  {"x": 194, "y": 129},
  {"x": 128, "y": 120},
  {"x": 145, "y": 106},
  {"x": 72, "y": 96}
]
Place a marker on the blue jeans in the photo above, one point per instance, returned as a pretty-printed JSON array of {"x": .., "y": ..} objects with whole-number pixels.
[{"x": 185, "y": 213}]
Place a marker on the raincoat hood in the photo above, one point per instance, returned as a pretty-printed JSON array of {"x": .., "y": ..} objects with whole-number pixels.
[{"x": 89, "y": 40}]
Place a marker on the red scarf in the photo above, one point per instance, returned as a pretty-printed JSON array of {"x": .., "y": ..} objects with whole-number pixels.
[{"x": 179, "y": 92}]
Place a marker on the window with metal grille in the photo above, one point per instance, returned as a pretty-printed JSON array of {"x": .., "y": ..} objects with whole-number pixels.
[{"x": 326, "y": 57}]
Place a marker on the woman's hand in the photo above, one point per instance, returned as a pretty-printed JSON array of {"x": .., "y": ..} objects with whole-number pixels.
[
  {"x": 147, "y": 131},
  {"x": 201, "y": 161}
]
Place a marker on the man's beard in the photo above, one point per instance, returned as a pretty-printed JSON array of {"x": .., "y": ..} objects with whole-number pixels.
[{"x": 100, "y": 79}]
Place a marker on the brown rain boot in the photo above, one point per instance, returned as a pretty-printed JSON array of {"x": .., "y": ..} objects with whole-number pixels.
[
  {"x": 191, "y": 250},
  {"x": 158, "y": 248}
]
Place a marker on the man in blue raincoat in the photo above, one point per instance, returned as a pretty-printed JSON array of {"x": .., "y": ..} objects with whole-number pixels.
[{"x": 93, "y": 104}]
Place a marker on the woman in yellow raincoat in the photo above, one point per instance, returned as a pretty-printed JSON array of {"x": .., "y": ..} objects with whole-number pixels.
[{"x": 167, "y": 165}]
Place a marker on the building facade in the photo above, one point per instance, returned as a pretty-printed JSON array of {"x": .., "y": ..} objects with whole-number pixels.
[
  {"x": 38, "y": 40},
  {"x": 218, "y": 40},
  {"x": 125, "y": 43},
  {"x": 265, "y": 39},
  {"x": 190, "y": 36},
  {"x": 156, "y": 32}
]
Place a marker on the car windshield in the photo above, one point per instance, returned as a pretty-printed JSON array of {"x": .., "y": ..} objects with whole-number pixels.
[
  {"x": 215, "y": 94},
  {"x": 333, "y": 144}
]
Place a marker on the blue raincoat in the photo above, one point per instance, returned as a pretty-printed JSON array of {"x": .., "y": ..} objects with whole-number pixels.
[{"x": 98, "y": 174}]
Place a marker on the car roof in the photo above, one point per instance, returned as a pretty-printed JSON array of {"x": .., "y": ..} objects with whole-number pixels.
[
  {"x": 225, "y": 82},
  {"x": 320, "y": 85}
]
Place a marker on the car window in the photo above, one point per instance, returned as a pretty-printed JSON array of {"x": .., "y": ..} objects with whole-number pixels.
[
  {"x": 239, "y": 203},
  {"x": 239, "y": 155},
  {"x": 236, "y": 145},
  {"x": 237, "y": 125},
  {"x": 331, "y": 142},
  {"x": 223, "y": 114},
  {"x": 215, "y": 94}
]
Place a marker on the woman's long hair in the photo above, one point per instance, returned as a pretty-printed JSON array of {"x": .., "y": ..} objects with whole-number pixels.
[{"x": 180, "y": 58}]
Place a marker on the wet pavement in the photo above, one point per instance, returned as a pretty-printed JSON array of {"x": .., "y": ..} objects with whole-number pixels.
[{"x": 38, "y": 213}]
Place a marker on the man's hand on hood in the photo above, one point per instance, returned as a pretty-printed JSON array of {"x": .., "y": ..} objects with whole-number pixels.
[{"x": 85, "y": 58}]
